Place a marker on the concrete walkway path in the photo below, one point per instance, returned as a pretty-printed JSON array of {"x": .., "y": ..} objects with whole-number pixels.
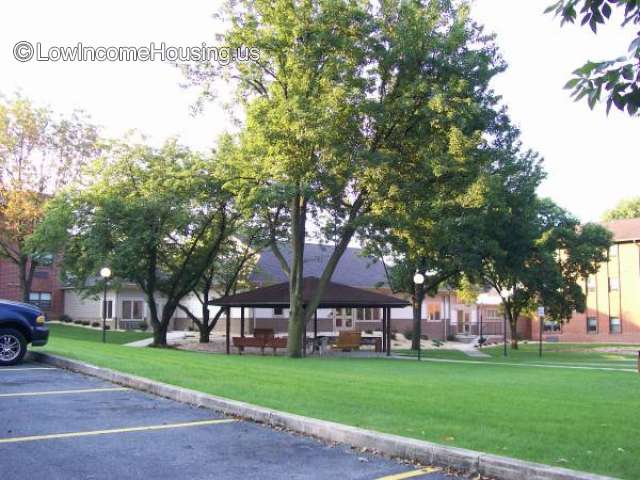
[{"x": 171, "y": 337}]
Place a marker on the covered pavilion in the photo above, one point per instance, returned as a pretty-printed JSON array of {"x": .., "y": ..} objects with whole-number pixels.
[{"x": 336, "y": 295}]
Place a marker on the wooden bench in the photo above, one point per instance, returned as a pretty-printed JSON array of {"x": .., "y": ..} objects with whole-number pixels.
[
  {"x": 275, "y": 343},
  {"x": 262, "y": 338},
  {"x": 241, "y": 342},
  {"x": 348, "y": 341}
]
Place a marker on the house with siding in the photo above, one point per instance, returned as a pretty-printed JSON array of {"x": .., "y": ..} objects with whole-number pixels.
[{"x": 442, "y": 314}]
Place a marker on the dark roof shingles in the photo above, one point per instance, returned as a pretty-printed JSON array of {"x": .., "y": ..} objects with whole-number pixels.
[
  {"x": 624, "y": 230},
  {"x": 352, "y": 269},
  {"x": 336, "y": 295}
]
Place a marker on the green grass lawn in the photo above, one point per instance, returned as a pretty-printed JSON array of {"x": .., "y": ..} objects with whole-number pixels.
[
  {"x": 553, "y": 353},
  {"x": 582, "y": 419},
  {"x": 70, "y": 332}
]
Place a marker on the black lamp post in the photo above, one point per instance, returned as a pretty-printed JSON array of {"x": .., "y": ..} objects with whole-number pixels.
[
  {"x": 105, "y": 273},
  {"x": 541, "y": 327},
  {"x": 418, "y": 279}
]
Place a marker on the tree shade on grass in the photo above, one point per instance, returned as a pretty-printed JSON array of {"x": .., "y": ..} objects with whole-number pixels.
[
  {"x": 580, "y": 419},
  {"x": 568, "y": 354},
  {"x": 69, "y": 332}
]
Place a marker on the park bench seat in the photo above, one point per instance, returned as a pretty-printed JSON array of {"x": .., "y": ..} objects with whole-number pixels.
[
  {"x": 348, "y": 341},
  {"x": 275, "y": 343},
  {"x": 262, "y": 338},
  {"x": 241, "y": 342}
]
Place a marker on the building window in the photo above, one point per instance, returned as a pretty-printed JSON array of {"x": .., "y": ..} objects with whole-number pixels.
[
  {"x": 614, "y": 325},
  {"x": 591, "y": 283},
  {"x": 551, "y": 326},
  {"x": 613, "y": 251},
  {"x": 614, "y": 284},
  {"x": 368, "y": 314},
  {"x": 109, "y": 312},
  {"x": 41, "y": 274},
  {"x": 492, "y": 315},
  {"x": 132, "y": 309},
  {"x": 278, "y": 311},
  {"x": 592, "y": 325},
  {"x": 40, "y": 299},
  {"x": 433, "y": 311}
]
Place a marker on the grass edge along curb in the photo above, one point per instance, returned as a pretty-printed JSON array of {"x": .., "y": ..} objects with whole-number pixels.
[{"x": 395, "y": 446}]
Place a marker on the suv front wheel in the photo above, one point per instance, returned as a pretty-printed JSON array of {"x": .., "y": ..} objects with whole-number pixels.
[{"x": 13, "y": 346}]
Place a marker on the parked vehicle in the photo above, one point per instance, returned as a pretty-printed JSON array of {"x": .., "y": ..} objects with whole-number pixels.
[{"x": 20, "y": 324}]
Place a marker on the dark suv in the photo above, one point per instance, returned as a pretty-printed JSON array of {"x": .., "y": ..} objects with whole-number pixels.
[{"x": 20, "y": 324}]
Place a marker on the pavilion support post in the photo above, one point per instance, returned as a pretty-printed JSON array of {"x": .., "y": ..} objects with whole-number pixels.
[
  {"x": 315, "y": 330},
  {"x": 228, "y": 330},
  {"x": 388, "y": 332},
  {"x": 384, "y": 330},
  {"x": 304, "y": 339},
  {"x": 242, "y": 322}
]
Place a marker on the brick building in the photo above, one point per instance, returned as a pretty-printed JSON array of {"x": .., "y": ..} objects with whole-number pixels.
[
  {"x": 46, "y": 290},
  {"x": 613, "y": 295}
]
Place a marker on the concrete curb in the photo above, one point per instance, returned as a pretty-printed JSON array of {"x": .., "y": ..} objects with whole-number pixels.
[{"x": 390, "y": 445}]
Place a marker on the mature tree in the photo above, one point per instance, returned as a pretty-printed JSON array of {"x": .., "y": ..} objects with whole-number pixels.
[
  {"x": 468, "y": 291},
  {"x": 157, "y": 217},
  {"x": 227, "y": 273},
  {"x": 351, "y": 104},
  {"x": 617, "y": 79},
  {"x": 530, "y": 250},
  {"x": 627, "y": 208},
  {"x": 39, "y": 154},
  {"x": 431, "y": 226}
]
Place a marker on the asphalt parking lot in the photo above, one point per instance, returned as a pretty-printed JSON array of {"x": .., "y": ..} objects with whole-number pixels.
[{"x": 56, "y": 424}]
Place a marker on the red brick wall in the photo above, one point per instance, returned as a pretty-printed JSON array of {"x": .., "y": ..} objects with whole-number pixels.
[
  {"x": 603, "y": 304},
  {"x": 45, "y": 280}
]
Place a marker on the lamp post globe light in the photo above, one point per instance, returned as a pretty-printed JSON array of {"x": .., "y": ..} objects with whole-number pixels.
[
  {"x": 418, "y": 280},
  {"x": 105, "y": 273}
]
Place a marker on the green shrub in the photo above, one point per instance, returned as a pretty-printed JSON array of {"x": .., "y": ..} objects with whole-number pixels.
[{"x": 144, "y": 326}]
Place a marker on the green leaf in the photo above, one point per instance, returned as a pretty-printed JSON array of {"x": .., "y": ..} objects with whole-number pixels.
[{"x": 572, "y": 83}]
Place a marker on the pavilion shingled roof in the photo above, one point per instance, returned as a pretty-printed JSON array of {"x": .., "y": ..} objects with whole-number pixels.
[{"x": 336, "y": 295}]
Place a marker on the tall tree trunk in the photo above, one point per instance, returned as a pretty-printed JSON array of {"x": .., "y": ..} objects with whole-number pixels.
[
  {"x": 160, "y": 335},
  {"x": 204, "y": 328},
  {"x": 296, "y": 277},
  {"x": 159, "y": 327},
  {"x": 513, "y": 325},
  {"x": 418, "y": 298},
  {"x": 26, "y": 267}
]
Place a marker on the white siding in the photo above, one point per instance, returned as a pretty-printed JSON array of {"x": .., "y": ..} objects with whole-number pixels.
[{"x": 79, "y": 308}]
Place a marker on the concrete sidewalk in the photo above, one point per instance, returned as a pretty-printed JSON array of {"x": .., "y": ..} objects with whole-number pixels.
[{"x": 172, "y": 337}]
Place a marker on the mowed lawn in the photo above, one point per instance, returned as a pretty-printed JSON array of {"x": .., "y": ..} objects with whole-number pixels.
[
  {"x": 570, "y": 354},
  {"x": 581, "y": 419}
]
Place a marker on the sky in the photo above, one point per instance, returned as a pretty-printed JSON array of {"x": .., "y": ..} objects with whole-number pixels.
[{"x": 591, "y": 159}]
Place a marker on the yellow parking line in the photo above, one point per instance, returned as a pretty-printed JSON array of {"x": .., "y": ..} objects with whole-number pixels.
[
  {"x": 115, "y": 430},
  {"x": 63, "y": 392},
  {"x": 411, "y": 473}
]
